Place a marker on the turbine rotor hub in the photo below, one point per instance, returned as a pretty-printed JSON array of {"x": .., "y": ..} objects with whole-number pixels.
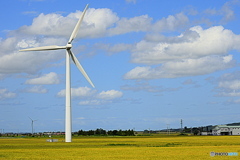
[{"x": 69, "y": 46}]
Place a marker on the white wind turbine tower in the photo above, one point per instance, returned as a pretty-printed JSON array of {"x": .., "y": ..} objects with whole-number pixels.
[
  {"x": 32, "y": 124},
  {"x": 69, "y": 54}
]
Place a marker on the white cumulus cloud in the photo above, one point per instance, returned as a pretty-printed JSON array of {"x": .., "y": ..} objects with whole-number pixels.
[
  {"x": 95, "y": 24},
  {"x": 182, "y": 68},
  {"x": 135, "y": 24},
  {"x": 197, "y": 51},
  {"x": 111, "y": 94},
  {"x": 172, "y": 22},
  {"x": 232, "y": 85},
  {"x": 4, "y": 94},
  {"x": 229, "y": 85},
  {"x": 50, "y": 78},
  {"x": 92, "y": 96},
  {"x": 13, "y": 61},
  {"x": 194, "y": 43},
  {"x": 37, "y": 89},
  {"x": 131, "y": 1},
  {"x": 78, "y": 92},
  {"x": 91, "y": 102}
]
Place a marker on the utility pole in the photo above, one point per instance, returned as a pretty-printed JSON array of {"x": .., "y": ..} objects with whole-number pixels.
[
  {"x": 181, "y": 125},
  {"x": 167, "y": 129}
]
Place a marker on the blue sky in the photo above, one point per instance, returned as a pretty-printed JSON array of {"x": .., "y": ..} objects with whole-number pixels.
[{"x": 153, "y": 63}]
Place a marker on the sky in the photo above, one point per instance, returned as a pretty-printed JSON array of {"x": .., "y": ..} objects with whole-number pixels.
[{"x": 152, "y": 62}]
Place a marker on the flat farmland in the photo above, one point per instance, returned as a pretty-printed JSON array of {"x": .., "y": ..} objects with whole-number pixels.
[{"x": 138, "y": 147}]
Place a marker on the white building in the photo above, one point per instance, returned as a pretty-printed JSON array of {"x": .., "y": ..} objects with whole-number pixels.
[{"x": 226, "y": 130}]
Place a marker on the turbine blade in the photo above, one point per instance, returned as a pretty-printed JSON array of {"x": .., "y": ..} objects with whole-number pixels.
[
  {"x": 77, "y": 63},
  {"x": 75, "y": 31},
  {"x": 44, "y": 48}
]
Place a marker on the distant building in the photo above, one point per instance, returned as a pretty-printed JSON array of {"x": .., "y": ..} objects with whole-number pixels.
[
  {"x": 226, "y": 130},
  {"x": 207, "y": 130}
]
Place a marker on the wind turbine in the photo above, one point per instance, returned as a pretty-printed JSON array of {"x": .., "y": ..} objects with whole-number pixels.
[
  {"x": 69, "y": 55},
  {"x": 32, "y": 124}
]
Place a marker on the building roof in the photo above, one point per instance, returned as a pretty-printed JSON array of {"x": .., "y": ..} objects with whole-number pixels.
[{"x": 225, "y": 126}]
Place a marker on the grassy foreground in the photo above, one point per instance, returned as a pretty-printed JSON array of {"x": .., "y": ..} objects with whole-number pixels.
[{"x": 110, "y": 148}]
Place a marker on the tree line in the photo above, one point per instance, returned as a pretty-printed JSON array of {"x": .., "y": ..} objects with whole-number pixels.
[{"x": 102, "y": 132}]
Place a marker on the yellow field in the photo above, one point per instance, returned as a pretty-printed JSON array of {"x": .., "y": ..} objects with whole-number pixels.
[{"x": 110, "y": 148}]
